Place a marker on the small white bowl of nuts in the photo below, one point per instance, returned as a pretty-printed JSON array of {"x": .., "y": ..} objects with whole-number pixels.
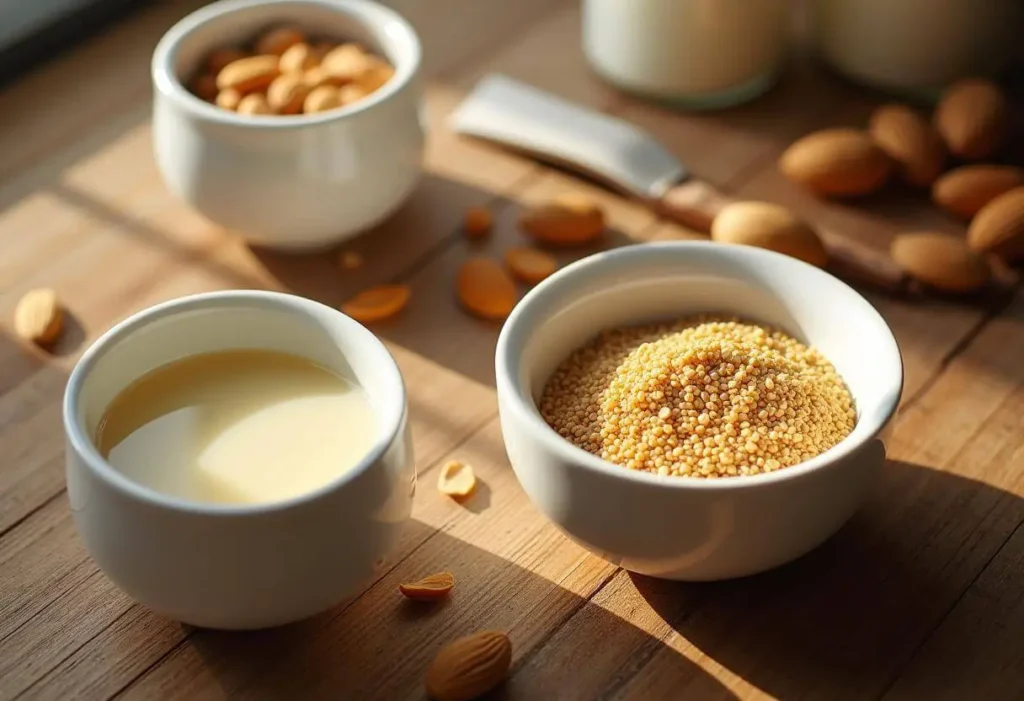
[
  {"x": 696, "y": 411},
  {"x": 295, "y": 123}
]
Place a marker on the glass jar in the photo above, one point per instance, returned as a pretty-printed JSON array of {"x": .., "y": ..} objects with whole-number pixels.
[
  {"x": 698, "y": 54},
  {"x": 916, "y": 47}
]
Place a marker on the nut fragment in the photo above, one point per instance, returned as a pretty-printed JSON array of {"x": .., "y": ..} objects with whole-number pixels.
[
  {"x": 477, "y": 222},
  {"x": 456, "y": 479},
  {"x": 569, "y": 219},
  {"x": 279, "y": 40},
  {"x": 469, "y": 667},
  {"x": 529, "y": 264},
  {"x": 485, "y": 289},
  {"x": 38, "y": 318},
  {"x": 378, "y": 303},
  {"x": 430, "y": 588},
  {"x": 350, "y": 260}
]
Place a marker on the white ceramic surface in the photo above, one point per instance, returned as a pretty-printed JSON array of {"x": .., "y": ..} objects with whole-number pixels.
[
  {"x": 227, "y": 566},
  {"x": 679, "y": 528},
  {"x": 299, "y": 182}
]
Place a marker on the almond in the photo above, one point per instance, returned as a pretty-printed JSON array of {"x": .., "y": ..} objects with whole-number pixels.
[
  {"x": 287, "y": 93},
  {"x": 770, "y": 226},
  {"x": 469, "y": 667},
  {"x": 38, "y": 318},
  {"x": 248, "y": 74},
  {"x": 964, "y": 191},
  {"x": 456, "y": 479},
  {"x": 378, "y": 303},
  {"x": 485, "y": 289},
  {"x": 347, "y": 63},
  {"x": 278, "y": 40},
  {"x": 530, "y": 265},
  {"x": 972, "y": 117},
  {"x": 999, "y": 227},
  {"x": 254, "y": 103},
  {"x": 229, "y": 99},
  {"x": 477, "y": 222},
  {"x": 941, "y": 261},
  {"x": 910, "y": 141},
  {"x": 836, "y": 162},
  {"x": 430, "y": 588},
  {"x": 298, "y": 58},
  {"x": 569, "y": 219},
  {"x": 321, "y": 99}
]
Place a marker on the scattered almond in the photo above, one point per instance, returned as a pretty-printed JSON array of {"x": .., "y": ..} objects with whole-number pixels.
[
  {"x": 254, "y": 103},
  {"x": 485, "y": 289},
  {"x": 248, "y": 74},
  {"x": 298, "y": 58},
  {"x": 456, "y": 479},
  {"x": 287, "y": 93},
  {"x": 279, "y": 40},
  {"x": 530, "y": 265},
  {"x": 964, "y": 191},
  {"x": 999, "y": 227},
  {"x": 770, "y": 226},
  {"x": 836, "y": 162},
  {"x": 350, "y": 260},
  {"x": 430, "y": 588},
  {"x": 478, "y": 222},
  {"x": 205, "y": 87},
  {"x": 469, "y": 667},
  {"x": 378, "y": 303},
  {"x": 218, "y": 58},
  {"x": 910, "y": 141},
  {"x": 941, "y": 261},
  {"x": 569, "y": 219},
  {"x": 38, "y": 318},
  {"x": 229, "y": 99},
  {"x": 321, "y": 99},
  {"x": 972, "y": 117}
]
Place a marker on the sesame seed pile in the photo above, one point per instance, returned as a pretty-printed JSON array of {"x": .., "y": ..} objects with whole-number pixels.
[{"x": 701, "y": 397}]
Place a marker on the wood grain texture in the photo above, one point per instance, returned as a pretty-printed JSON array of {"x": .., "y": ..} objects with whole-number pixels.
[{"x": 885, "y": 608}]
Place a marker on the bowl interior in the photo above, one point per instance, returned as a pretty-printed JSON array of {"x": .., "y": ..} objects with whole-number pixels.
[
  {"x": 656, "y": 282},
  {"x": 237, "y": 22}
]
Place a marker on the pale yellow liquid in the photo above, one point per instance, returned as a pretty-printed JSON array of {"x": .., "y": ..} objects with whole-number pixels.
[{"x": 237, "y": 427}]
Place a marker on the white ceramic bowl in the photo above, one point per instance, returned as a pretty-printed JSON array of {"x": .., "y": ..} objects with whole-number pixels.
[
  {"x": 301, "y": 182},
  {"x": 229, "y": 566},
  {"x": 674, "y": 527}
]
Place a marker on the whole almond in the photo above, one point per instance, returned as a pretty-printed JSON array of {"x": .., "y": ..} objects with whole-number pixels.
[
  {"x": 972, "y": 117},
  {"x": 347, "y": 63},
  {"x": 321, "y": 99},
  {"x": 940, "y": 261},
  {"x": 430, "y": 588},
  {"x": 965, "y": 190},
  {"x": 469, "y": 667},
  {"x": 248, "y": 74},
  {"x": 287, "y": 93},
  {"x": 485, "y": 289},
  {"x": 999, "y": 227},
  {"x": 770, "y": 226},
  {"x": 569, "y": 219},
  {"x": 836, "y": 162},
  {"x": 278, "y": 40},
  {"x": 38, "y": 318},
  {"x": 254, "y": 103},
  {"x": 910, "y": 141},
  {"x": 298, "y": 58}
]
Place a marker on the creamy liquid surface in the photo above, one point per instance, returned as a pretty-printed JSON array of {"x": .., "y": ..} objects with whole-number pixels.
[{"x": 237, "y": 427}]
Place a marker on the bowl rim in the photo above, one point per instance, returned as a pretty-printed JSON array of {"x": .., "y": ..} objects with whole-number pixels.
[
  {"x": 516, "y": 401},
  {"x": 372, "y": 15},
  {"x": 391, "y": 421}
]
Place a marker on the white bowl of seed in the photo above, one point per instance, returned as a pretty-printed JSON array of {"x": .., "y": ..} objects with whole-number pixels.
[{"x": 696, "y": 411}]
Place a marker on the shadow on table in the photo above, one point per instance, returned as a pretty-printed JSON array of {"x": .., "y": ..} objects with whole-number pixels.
[
  {"x": 843, "y": 621},
  {"x": 380, "y": 645}
]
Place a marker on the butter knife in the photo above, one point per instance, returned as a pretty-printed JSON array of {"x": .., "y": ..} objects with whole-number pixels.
[{"x": 627, "y": 159}]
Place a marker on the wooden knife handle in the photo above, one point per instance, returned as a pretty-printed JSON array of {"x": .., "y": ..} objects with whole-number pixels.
[{"x": 695, "y": 204}]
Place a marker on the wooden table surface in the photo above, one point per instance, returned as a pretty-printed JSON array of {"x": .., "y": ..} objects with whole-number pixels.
[{"x": 918, "y": 597}]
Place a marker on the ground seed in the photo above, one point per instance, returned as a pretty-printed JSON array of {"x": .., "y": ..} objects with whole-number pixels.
[{"x": 701, "y": 397}]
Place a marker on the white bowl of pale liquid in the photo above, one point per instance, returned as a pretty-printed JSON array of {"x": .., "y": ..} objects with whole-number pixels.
[{"x": 228, "y": 565}]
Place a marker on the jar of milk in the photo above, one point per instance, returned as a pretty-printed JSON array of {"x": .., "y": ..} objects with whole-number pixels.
[
  {"x": 699, "y": 54},
  {"x": 916, "y": 47}
]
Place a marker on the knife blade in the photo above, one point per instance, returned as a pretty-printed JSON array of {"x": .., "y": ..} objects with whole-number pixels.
[{"x": 625, "y": 158}]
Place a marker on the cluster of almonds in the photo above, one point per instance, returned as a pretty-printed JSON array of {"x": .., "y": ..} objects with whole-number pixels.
[
  {"x": 969, "y": 124},
  {"x": 484, "y": 287},
  {"x": 284, "y": 72}
]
